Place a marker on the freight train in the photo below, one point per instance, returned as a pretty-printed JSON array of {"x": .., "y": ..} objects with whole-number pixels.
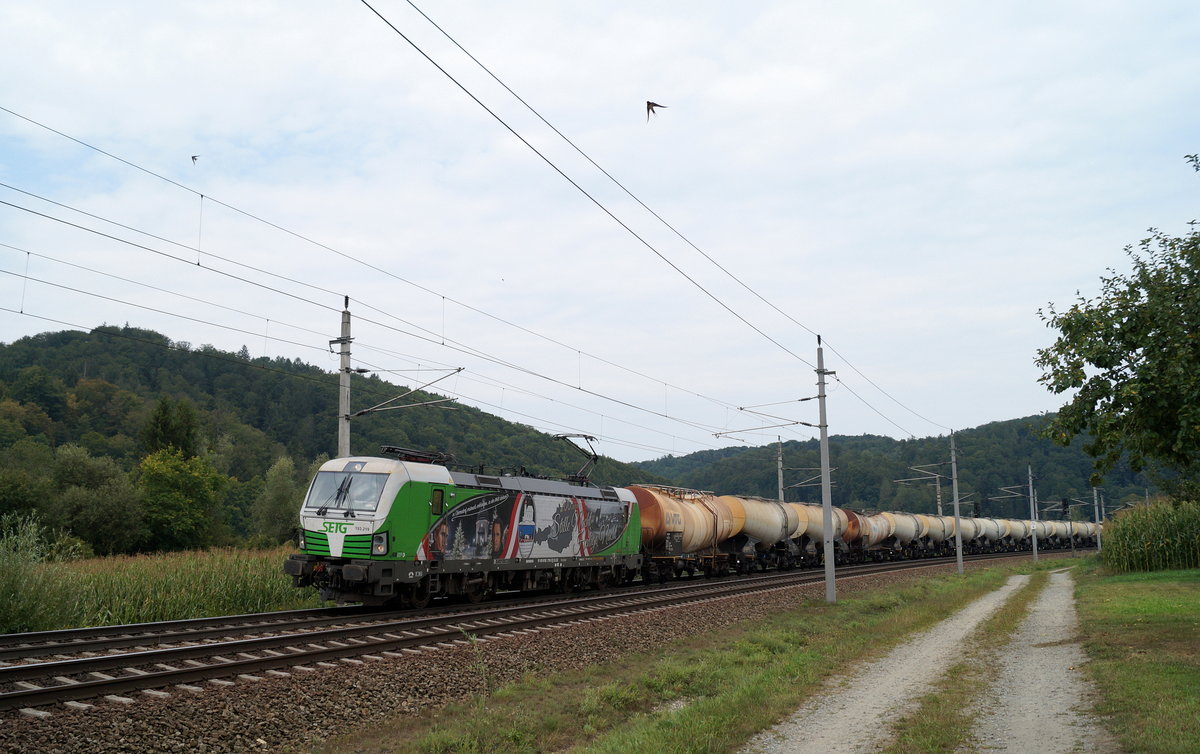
[{"x": 404, "y": 528}]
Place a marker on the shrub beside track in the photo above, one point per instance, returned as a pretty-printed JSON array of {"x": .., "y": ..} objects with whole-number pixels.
[{"x": 1152, "y": 538}]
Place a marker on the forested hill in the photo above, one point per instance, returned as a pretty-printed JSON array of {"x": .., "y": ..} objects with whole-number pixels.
[
  {"x": 989, "y": 457},
  {"x": 129, "y": 442},
  {"x": 98, "y": 390}
]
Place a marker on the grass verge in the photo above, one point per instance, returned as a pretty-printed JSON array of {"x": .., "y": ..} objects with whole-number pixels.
[
  {"x": 708, "y": 693},
  {"x": 945, "y": 717},
  {"x": 1142, "y": 634}
]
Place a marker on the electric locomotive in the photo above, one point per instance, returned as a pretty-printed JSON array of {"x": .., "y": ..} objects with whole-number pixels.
[{"x": 404, "y": 528}]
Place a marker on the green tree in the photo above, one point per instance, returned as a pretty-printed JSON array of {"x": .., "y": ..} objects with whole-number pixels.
[
  {"x": 20, "y": 420},
  {"x": 110, "y": 518},
  {"x": 94, "y": 500},
  {"x": 76, "y": 467},
  {"x": 35, "y": 385},
  {"x": 102, "y": 407},
  {"x": 276, "y": 509},
  {"x": 182, "y": 500},
  {"x": 173, "y": 424},
  {"x": 1132, "y": 354}
]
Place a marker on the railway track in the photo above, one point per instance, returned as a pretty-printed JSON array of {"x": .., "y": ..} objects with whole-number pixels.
[{"x": 300, "y": 641}]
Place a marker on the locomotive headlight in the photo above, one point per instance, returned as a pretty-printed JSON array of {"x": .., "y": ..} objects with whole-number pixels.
[
  {"x": 379, "y": 543},
  {"x": 300, "y": 539}
]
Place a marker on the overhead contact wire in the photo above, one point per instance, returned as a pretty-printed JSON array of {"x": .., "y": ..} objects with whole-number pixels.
[
  {"x": 676, "y": 231},
  {"x": 583, "y": 191}
]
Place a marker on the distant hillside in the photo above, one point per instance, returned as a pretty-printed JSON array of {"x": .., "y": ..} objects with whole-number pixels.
[
  {"x": 97, "y": 390},
  {"x": 989, "y": 457}
]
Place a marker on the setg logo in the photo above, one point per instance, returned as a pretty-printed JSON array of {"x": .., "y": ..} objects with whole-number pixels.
[{"x": 336, "y": 527}]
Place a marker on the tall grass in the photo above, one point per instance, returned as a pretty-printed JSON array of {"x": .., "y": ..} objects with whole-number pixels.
[
  {"x": 28, "y": 591},
  {"x": 38, "y": 594},
  {"x": 134, "y": 589},
  {"x": 1153, "y": 538}
]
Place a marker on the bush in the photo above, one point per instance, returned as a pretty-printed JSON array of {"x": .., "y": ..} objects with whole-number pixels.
[{"x": 1153, "y": 538}]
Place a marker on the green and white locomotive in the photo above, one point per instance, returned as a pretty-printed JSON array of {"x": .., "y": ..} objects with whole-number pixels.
[{"x": 404, "y": 528}]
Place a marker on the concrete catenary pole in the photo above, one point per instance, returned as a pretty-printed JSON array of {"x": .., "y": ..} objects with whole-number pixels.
[
  {"x": 343, "y": 448},
  {"x": 779, "y": 469},
  {"x": 826, "y": 493},
  {"x": 1096, "y": 508},
  {"x": 957, "y": 519},
  {"x": 1033, "y": 513}
]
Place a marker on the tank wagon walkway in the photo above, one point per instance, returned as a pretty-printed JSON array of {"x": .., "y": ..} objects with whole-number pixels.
[{"x": 1039, "y": 689}]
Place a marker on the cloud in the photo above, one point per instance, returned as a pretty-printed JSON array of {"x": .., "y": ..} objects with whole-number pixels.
[{"x": 912, "y": 183}]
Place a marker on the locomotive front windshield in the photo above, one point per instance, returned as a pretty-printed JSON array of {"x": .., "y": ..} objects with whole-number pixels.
[{"x": 345, "y": 491}]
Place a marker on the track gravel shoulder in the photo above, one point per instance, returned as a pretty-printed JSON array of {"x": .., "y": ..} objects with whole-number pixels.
[
  {"x": 849, "y": 713},
  {"x": 1040, "y": 698}
]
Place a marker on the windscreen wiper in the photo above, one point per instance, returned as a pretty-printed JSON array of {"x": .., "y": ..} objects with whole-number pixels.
[{"x": 343, "y": 489}]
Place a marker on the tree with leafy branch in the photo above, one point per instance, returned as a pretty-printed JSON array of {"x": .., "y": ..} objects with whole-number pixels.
[
  {"x": 181, "y": 501},
  {"x": 275, "y": 513},
  {"x": 172, "y": 424},
  {"x": 1132, "y": 357}
]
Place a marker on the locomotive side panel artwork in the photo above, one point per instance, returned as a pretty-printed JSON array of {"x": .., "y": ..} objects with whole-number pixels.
[{"x": 510, "y": 525}]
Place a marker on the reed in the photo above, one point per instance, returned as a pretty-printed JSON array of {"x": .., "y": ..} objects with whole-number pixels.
[
  {"x": 28, "y": 591},
  {"x": 1154, "y": 537},
  {"x": 38, "y": 595}
]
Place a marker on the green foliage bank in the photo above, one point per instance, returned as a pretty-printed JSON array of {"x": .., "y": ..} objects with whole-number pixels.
[
  {"x": 130, "y": 442},
  {"x": 1153, "y": 538}
]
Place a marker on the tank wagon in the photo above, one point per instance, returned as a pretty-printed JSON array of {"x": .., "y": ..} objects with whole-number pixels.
[{"x": 404, "y": 528}]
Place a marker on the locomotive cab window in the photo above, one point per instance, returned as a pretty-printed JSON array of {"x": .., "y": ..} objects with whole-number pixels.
[
  {"x": 345, "y": 491},
  {"x": 436, "y": 502}
]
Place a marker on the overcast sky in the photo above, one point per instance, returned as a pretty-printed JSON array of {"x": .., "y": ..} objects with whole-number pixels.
[{"x": 913, "y": 181}]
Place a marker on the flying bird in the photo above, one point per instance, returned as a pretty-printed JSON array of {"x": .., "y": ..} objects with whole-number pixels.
[
  {"x": 650, "y": 109},
  {"x": 194, "y": 158}
]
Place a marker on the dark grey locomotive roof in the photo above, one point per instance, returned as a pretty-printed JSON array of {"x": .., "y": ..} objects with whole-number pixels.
[{"x": 531, "y": 485}]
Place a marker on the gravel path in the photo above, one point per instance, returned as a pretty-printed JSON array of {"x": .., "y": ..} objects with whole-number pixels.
[
  {"x": 1038, "y": 701},
  {"x": 851, "y": 715}
]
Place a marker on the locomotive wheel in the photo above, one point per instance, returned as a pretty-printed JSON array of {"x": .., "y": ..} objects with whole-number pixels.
[
  {"x": 566, "y": 582},
  {"x": 421, "y": 595},
  {"x": 475, "y": 591}
]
